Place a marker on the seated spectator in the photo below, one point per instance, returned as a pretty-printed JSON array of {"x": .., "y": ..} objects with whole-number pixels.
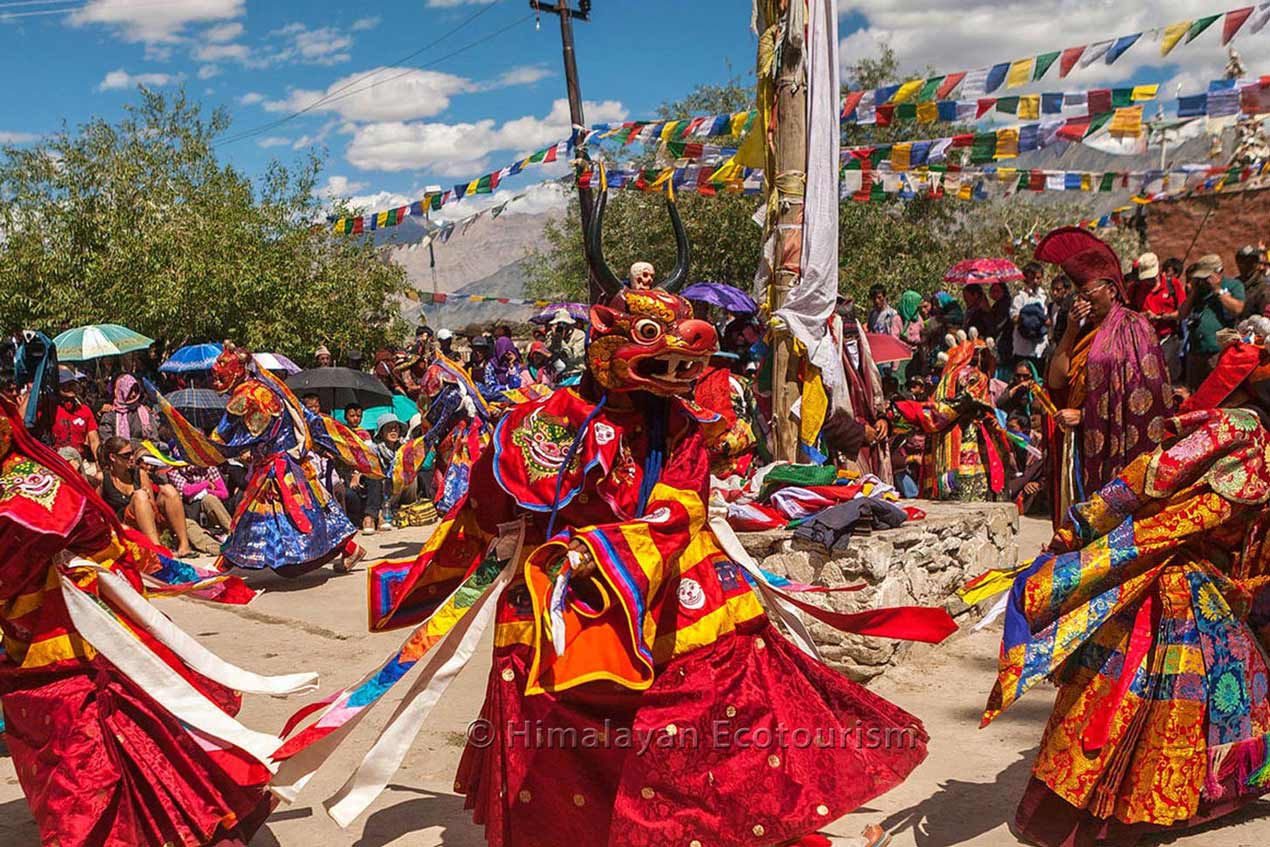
[
  {"x": 88, "y": 470},
  {"x": 1029, "y": 487},
  {"x": 363, "y": 497},
  {"x": 137, "y": 499},
  {"x": 540, "y": 370},
  {"x": 74, "y": 425},
  {"x": 129, "y": 416},
  {"x": 1017, "y": 398},
  {"x": 203, "y": 495},
  {"x": 387, "y": 443}
]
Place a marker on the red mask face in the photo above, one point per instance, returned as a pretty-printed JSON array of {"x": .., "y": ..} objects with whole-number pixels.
[
  {"x": 649, "y": 341},
  {"x": 228, "y": 370}
]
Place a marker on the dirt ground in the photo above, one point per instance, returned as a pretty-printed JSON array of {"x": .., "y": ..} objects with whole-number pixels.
[{"x": 964, "y": 794}]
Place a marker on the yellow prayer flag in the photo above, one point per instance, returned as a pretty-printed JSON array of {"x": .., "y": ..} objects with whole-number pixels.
[
  {"x": 1020, "y": 73},
  {"x": 753, "y": 150},
  {"x": 1172, "y": 35},
  {"x": 815, "y": 407},
  {"x": 1086, "y": 182},
  {"x": 928, "y": 112},
  {"x": 908, "y": 91},
  {"x": 966, "y": 192},
  {"x": 901, "y": 155},
  {"x": 668, "y": 131},
  {"x": 1144, "y": 92},
  {"x": 738, "y": 123},
  {"x": 1030, "y": 107},
  {"x": 471, "y": 188},
  {"x": 1008, "y": 143},
  {"x": 381, "y": 220},
  {"x": 1007, "y": 174},
  {"x": 338, "y": 228},
  {"x": 1127, "y": 121}
]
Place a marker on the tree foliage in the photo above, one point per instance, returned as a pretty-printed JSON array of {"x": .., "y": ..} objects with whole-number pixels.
[{"x": 138, "y": 223}]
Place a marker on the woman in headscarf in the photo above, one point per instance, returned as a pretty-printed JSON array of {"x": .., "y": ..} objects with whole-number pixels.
[
  {"x": 129, "y": 417},
  {"x": 910, "y": 307},
  {"x": 1107, "y": 378},
  {"x": 505, "y": 370},
  {"x": 540, "y": 369}
]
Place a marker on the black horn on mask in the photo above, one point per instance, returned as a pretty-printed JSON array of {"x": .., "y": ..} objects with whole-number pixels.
[{"x": 595, "y": 249}]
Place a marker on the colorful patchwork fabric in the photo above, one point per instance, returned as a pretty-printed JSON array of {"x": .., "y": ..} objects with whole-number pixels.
[{"x": 1144, "y": 615}]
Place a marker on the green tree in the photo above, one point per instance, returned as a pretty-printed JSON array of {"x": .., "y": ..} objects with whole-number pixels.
[{"x": 138, "y": 223}]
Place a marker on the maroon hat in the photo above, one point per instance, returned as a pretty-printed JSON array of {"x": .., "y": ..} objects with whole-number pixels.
[{"x": 1083, "y": 256}]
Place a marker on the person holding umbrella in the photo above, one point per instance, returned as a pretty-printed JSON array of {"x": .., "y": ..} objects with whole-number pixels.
[
  {"x": 288, "y": 521},
  {"x": 568, "y": 346}
]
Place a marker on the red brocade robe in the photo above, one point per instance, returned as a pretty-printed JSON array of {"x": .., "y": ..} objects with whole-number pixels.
[
  {"x": 101, "y": 764},
  {"x": 676, "y": 712}
]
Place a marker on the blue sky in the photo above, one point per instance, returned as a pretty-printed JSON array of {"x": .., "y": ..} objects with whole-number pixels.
[{"x": 463, "y": 116}]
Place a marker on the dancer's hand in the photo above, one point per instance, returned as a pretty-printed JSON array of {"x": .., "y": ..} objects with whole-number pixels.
[{"x": 585, "y": 563}]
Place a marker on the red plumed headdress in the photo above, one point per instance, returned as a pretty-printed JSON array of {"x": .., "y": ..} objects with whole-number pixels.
[{"x": 1082, "y": 255}]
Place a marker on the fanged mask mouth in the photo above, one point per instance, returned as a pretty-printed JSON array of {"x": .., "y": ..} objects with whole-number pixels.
[{"x": 670, "y": 368}]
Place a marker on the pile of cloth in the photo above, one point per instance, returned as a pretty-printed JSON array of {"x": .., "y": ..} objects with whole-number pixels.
[{"x": 818, "y": 502}]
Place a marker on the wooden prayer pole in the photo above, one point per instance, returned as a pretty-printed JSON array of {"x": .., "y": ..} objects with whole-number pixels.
[{"x": 786, "y": 171}]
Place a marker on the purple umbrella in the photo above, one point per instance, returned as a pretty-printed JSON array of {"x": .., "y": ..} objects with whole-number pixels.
[
  {"x": 276, "y": 362},
  {"x": 579, "y": 312},
  {"x": 724, "y": 296}
]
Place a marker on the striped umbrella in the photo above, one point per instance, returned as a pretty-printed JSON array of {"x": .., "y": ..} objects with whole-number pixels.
[
  {"x": 97, "y": 340},
  {"x": 195, "y": 357},
  {"x": 983, "y": 272}
]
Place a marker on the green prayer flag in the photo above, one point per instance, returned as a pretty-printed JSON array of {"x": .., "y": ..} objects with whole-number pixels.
[
  {"x": 1043, "y": 63},
  {"x": 929, "y": 89},
  {"x": 1108, "y": 182},
  {"x": 906, "y": 111},
  {"x": 880, "y": 154},
  {"x": 877, "y": 194},
  {"x": 1199, "y": 26},
  {"x": 1121, "y": 97},
  {"x": 984, "y": 148},
  {"x": 1025, "y": 181},
  {"x": 1008, "y": 105},
  {"x": 1097, "y": 122}
]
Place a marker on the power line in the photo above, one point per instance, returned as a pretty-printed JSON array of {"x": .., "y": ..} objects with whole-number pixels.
[
  {"x": 66, "y": 10},
  {"x": 342, "y": 92}
]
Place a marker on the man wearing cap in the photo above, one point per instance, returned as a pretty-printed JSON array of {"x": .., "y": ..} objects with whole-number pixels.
[
  {"x": 1253, "y": 277},
  {"x": 1160, "y": 298},
  {"x": 568, "y": 346},
  {"x": 322, "y": 356},
  {"x": 73, "y": 423},
  {"x": 1216, "y": 302},
  {"x": 445, "y": 343}
]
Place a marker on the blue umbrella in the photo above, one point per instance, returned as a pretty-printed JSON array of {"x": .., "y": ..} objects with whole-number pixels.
[{"x": 195, "y": 357}]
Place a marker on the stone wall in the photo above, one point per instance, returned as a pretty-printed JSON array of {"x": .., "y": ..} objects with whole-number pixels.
[{"x": 922, "y": 563}]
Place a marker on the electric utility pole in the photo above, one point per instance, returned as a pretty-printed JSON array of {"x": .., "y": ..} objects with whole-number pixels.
[{"x": 576, "y": 116}]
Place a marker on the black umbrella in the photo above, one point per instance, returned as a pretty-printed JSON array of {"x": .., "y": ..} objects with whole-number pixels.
[
  {"x": 337, "y": 387},
  {"x": 201, "y": 407}
]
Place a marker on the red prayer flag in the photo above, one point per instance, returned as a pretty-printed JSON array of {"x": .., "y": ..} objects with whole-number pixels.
[
  {"x": 950, "y": 82},
  {"x": 1068, "y": 60},
  {"x": 1099, "y": 101},
  {"x": 884, "y": 114},
  {"x": 967, "y": 140},
  {"x": 1075, "y": 128},
  {"x": 985, "y": 106},
  {"x": 1234, "y": 20},
  {"x": 850, "y": 102}
]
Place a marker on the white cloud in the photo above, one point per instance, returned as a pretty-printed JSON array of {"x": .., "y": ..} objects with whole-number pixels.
[
  {"x": 323, "y": 46},
  {"x": 158, "y": 53},
  {"x": 251, "y": 98},
  {"x": 525, "y": 75},
  {"x": 273, "y": 141},
  {"x": 17, "y": 137},
  {"x": 382, "y": 94},
  {"x": 221, "y": 52},
  {"x": 463, "y": 149},
  {"x": 956, "y": 35},
  {"x": 224, "y": 32},
  {"x": 318, "y": 137},
  {"x": 208, "y": 71},
  {"x": 539, "y": 197},
  {"x": 365, "y": 23},
  {"x": 120, "y": 79},
  {"x": 156, "y": 22}
]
